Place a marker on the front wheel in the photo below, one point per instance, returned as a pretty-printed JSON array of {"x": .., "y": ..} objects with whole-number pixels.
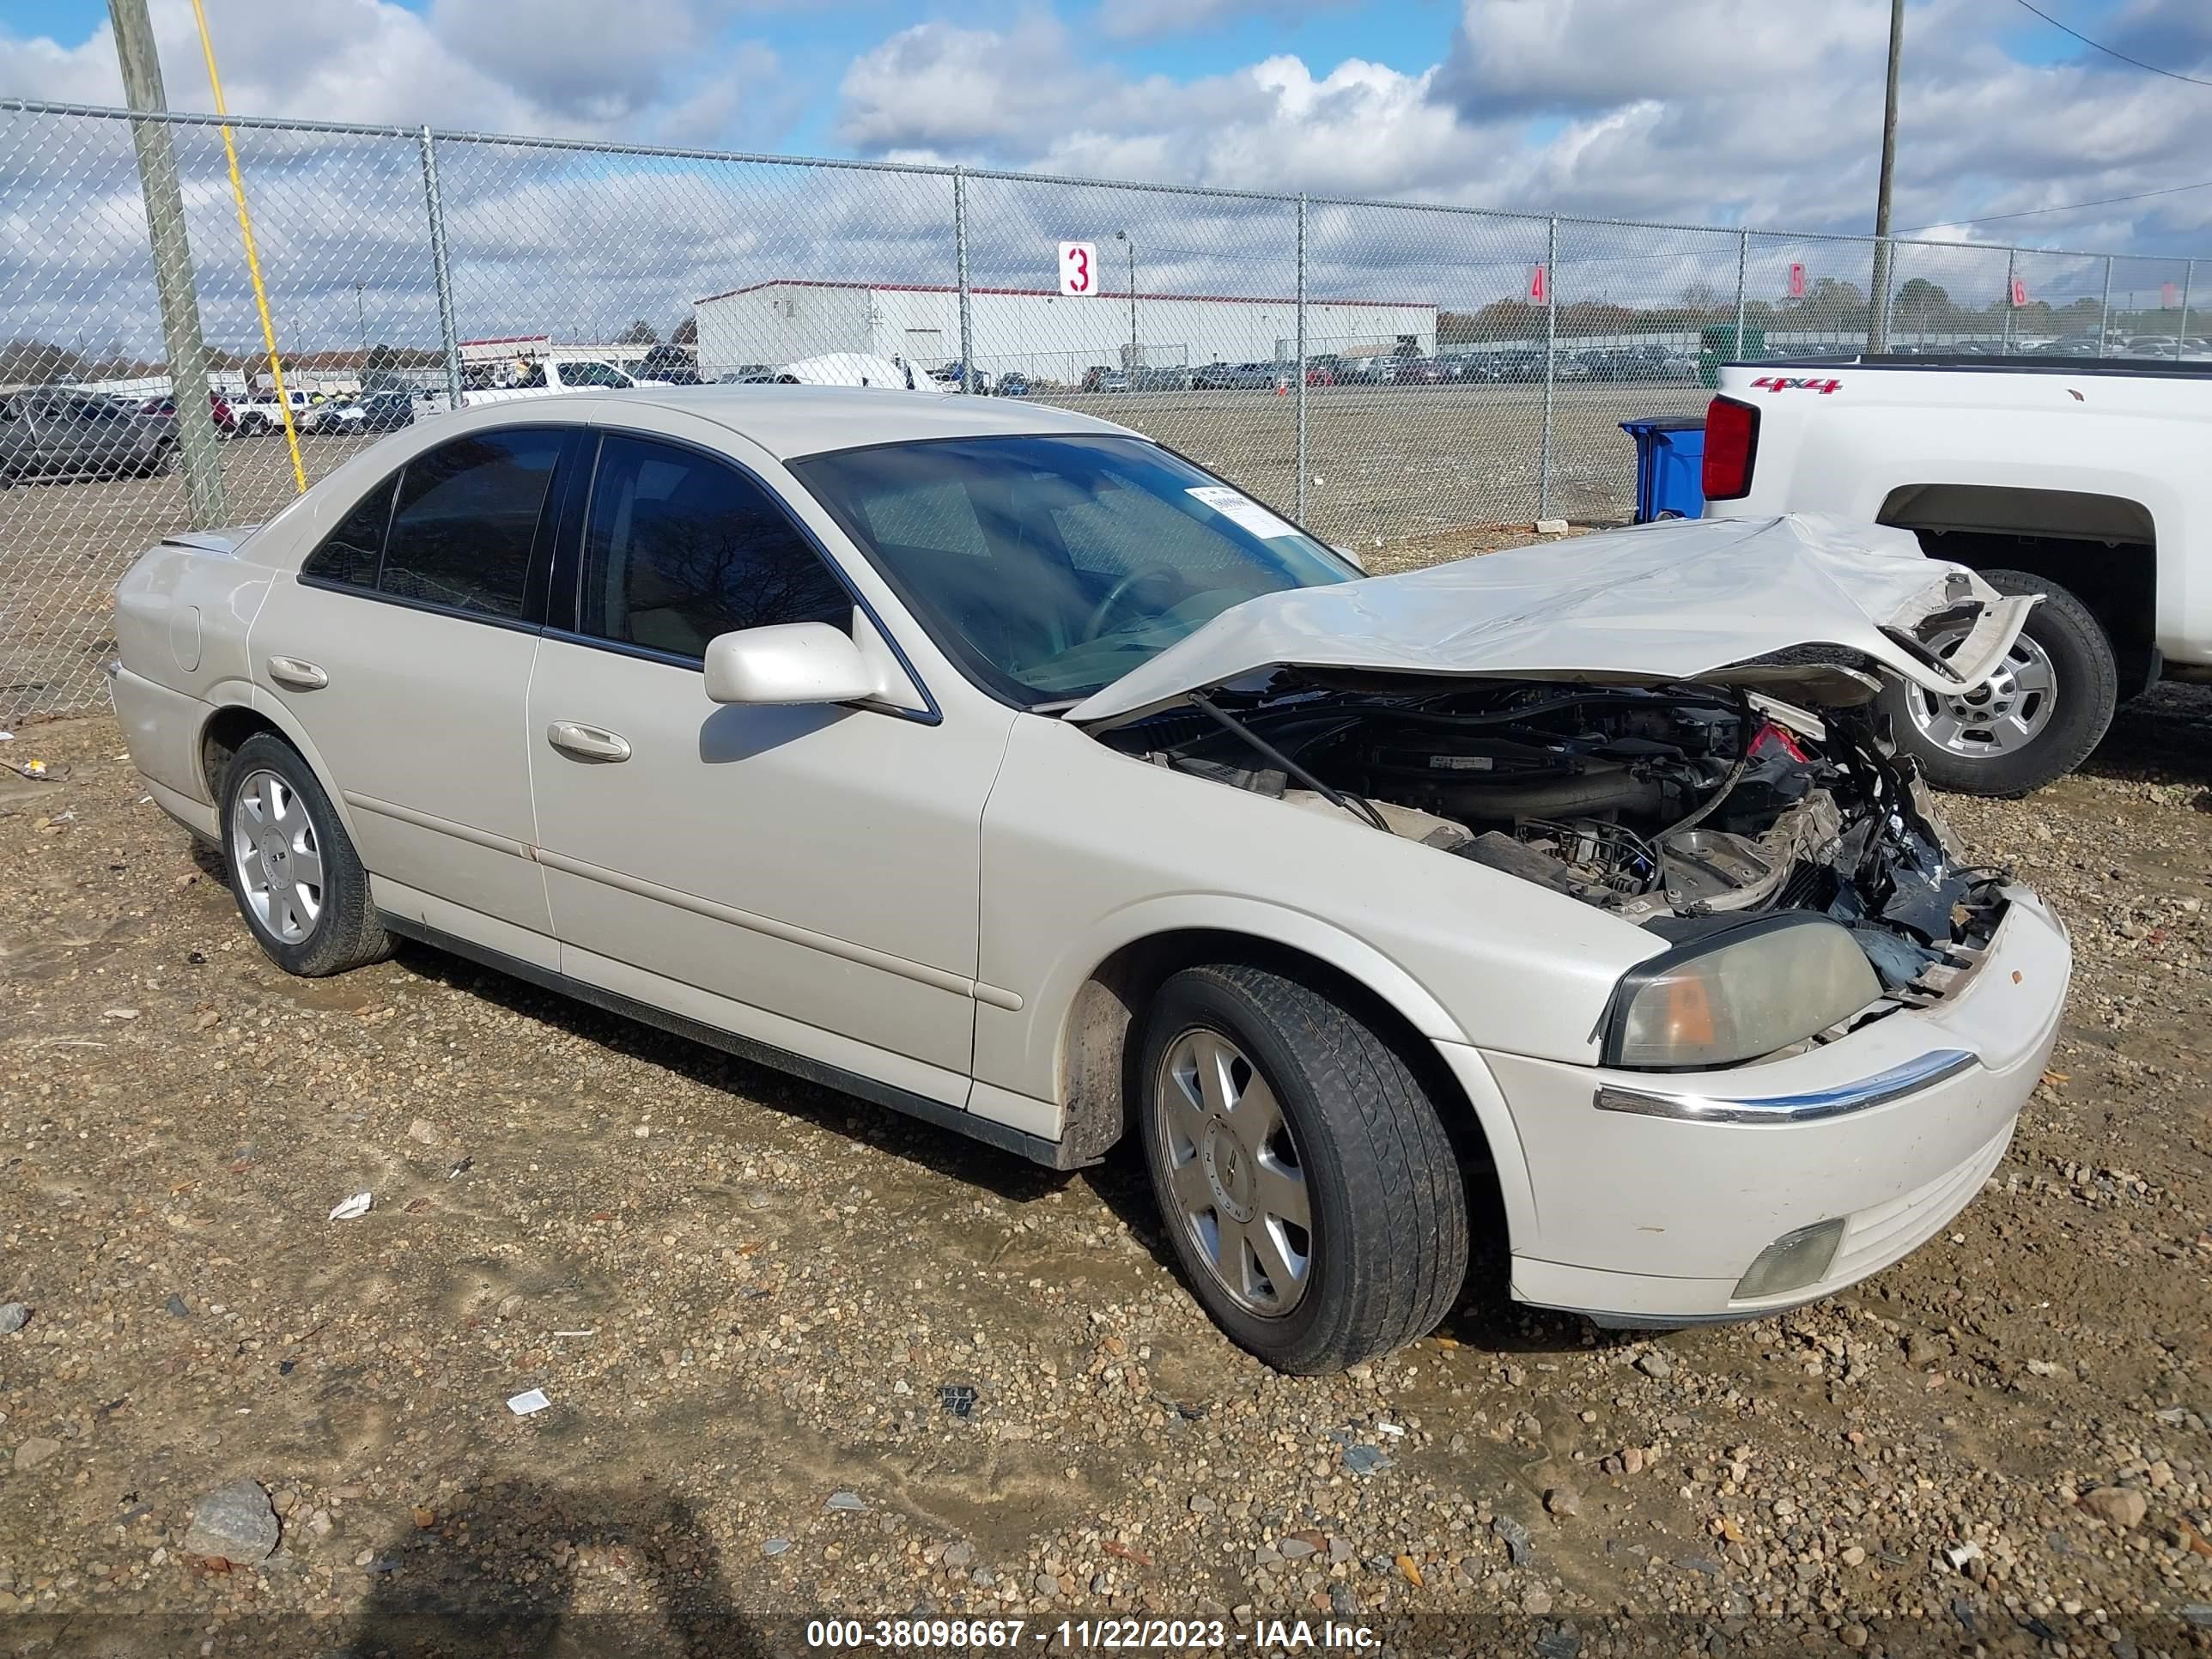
[
  {"x": 2035, "y": 720},
  {"x": 1304, "y": 1175}
]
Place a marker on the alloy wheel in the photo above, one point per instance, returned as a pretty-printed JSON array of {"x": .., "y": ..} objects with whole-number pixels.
[
  {"x": 277, "y": 857},
  {"x": 2000, "y": 717},
  {"x": 1235, "y": 1180}
]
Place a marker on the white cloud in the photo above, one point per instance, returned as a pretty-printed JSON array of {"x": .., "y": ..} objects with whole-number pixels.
[{"x": 558, "y": 68}]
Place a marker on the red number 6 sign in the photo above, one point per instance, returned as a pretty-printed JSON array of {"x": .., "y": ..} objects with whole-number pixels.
[{"x": 1079, "y": 267}]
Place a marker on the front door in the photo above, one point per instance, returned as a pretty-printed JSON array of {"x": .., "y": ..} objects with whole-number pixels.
[{"x": 807, "y": 877}]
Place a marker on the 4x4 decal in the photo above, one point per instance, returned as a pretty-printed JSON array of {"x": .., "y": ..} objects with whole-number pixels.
[{"x": 1795, "y": 382}]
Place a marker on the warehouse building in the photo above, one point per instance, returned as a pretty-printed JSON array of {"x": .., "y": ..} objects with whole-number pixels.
[{"x": 1047, "y": 336}]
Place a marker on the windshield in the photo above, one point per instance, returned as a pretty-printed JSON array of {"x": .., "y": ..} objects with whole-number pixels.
[{"x": 1050, "y": 566}]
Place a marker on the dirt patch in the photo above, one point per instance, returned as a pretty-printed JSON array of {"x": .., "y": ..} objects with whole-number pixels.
[{"x": 805, "y": 1358}]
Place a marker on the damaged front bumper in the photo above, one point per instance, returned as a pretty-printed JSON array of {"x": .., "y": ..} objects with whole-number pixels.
[{"x": 1654, "y": 1200}]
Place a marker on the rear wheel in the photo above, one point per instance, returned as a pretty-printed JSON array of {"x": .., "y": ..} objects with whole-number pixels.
[
  {"x": 2036, "y": 720},
  {"x": 298, "y": 881},
  {"x": 1304, "y": 1175}
]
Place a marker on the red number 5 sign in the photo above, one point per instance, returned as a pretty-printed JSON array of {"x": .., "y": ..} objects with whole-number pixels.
[{"x": 1079, "y": 267}]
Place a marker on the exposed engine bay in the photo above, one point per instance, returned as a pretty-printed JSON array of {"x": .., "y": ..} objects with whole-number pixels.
[{"x": 1682, "y": 809}]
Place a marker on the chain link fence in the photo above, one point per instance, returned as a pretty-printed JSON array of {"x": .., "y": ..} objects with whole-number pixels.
[{"x": 1383, "y": 372}]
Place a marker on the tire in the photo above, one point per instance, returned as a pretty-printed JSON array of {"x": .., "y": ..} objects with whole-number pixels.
[
  {"x": 1356, "y": 1141},
  {"x": 252, "y": 427},
  {"x": 272, "y": 806},
  {"x": 2065, "y": 646}
]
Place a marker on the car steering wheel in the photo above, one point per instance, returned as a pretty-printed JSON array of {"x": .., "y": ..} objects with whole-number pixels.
[{"x": 1106, "y": 607}]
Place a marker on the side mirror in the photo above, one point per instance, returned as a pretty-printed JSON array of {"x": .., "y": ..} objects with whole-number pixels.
[
  {"x": 1349, "y": 556},
  {"x": 789, "y": 663}
]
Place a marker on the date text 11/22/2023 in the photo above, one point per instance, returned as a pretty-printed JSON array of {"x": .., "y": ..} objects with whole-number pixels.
[{"x": 1159, "y": 1635}]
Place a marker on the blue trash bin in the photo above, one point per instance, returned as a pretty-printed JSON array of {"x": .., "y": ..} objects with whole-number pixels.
[{"x": 1670, "y": 462}]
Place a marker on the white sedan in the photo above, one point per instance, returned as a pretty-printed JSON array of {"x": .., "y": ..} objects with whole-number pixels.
[{"x": 996, "y": 764}]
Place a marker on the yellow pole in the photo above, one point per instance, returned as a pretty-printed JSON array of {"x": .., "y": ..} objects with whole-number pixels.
[{"x": 252, "y": 256}]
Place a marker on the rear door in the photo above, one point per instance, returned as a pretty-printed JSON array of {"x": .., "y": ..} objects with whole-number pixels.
[{"x": 403, "y": 649}]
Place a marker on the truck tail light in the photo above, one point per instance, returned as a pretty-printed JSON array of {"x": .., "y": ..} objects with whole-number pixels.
[{"x": 1731, "y": 447}]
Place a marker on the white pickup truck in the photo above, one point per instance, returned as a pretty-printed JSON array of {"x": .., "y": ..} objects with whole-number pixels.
[
  {"x": 540, "y": 377},
  {"x": 2082, "y": 481}
]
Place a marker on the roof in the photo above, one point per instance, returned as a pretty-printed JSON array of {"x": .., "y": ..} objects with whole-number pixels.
[
  {"x": 789, "y": 420},
  {"x": 1050, "y": 294}
]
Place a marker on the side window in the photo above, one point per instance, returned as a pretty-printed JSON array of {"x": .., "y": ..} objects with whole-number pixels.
[
  {"x": 681, "y": 547},
  {"x": 590, "y": 373},
  {"x": 466, "y": 520},
  {"x": 350, "y": 552}
]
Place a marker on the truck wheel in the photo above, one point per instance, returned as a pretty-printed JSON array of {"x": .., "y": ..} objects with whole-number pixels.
[
  {"x": 2047, "y": 707},
  {"x": 1301, "y": 1171},
  {"x": 298, "y": 881}
]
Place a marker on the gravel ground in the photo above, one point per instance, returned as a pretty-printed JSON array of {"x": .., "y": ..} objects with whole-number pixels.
[{"x": 806, "y": 1358}]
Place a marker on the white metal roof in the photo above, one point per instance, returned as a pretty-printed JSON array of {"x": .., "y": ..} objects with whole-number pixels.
[{"x": 805, "y": 420}]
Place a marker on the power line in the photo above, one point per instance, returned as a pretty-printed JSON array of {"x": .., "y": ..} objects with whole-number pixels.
[
  {"x": 2062, "y": 207},
  {"x": 2171, "y": 74}
]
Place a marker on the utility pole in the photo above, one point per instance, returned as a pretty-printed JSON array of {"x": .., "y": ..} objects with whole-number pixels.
[
  {"x": 196, "y": 439},
  {"x": 361, "y": 310},
  {"x": 1124, "y": 236},
  {"x": 1878, "y": 314}
]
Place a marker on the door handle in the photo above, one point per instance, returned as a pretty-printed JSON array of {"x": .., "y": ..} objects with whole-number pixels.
[
  {"x": 298, "y": 675},
  {"x": 589, "y": 743}
]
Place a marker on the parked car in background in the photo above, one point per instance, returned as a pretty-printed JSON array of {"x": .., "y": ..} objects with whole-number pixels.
[
  {"x": 1161, "y": 377},
  {"x": 556, "y": 371},
  {"x": 259, "y": 413},
  {"x": 668, "y": 365},
  {"x": 2081, "y": 482},
  {"x": 334, "y": 417},
  {"x": 998, "y": 766},
  {"x": 1013, "y": 384},
  {"x": 54, "y": 433},
  {"x": 387, "y": 411},
  {"x": 165, "y": 409}
]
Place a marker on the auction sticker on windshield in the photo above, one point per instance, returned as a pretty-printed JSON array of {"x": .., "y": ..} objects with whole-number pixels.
[{"x": 1243, "y": 511}]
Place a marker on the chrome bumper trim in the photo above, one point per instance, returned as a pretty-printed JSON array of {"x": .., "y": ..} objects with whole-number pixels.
[{"x": 1808, "y": 1107}]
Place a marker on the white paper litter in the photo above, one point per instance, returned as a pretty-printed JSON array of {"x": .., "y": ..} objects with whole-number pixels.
[
  {"x": 356, "y": 1206},
  {"x": 533, "y": 1399}
]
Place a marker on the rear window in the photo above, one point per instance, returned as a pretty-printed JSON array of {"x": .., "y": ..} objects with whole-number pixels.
[{"x": 465, "y": 521}]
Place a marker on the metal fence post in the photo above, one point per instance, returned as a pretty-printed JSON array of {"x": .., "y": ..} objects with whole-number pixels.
[
  {"x": 2104, "y": 308},
  {"x": 2012, "y": 275},
  {"x": 960, "y": 261},
  {"x": 1550, "y": 368},
  {"x": 1742, "y": 271},
  {"x": 1302, "y": 358},
  {"x": 174, "y": 290},
  {"x": 2181, "y": 331},
  {"x": 441, "y": 271}
]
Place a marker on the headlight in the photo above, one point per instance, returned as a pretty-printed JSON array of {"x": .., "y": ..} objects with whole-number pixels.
[{"x": 1746, "y": 992}]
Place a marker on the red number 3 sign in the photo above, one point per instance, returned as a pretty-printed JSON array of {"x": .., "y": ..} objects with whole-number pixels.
[{"x": 1078, "y": 265}]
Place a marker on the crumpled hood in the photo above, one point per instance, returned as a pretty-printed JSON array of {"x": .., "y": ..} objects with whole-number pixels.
[{"x": 1710, "y": 599}]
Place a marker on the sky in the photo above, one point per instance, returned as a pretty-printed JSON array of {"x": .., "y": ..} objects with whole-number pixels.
[{"x": 1721, "y": 113}]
